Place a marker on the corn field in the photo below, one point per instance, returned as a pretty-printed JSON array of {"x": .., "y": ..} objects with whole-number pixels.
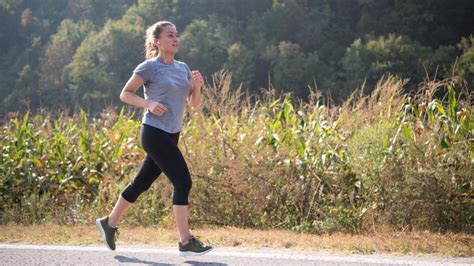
[{"x": 384, "y": 159}]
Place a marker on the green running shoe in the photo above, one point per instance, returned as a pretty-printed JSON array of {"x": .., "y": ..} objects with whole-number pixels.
[
  {"x": 194, "y": 247},
  {"x": 109, "y": 234}
]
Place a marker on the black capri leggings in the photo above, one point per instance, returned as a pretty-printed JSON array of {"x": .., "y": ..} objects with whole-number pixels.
[{"x": 163, "y": 155}]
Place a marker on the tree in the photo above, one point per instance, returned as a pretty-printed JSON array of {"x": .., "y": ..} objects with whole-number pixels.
[
  {"x": 97, "y": 11},
  {"x": 432, "y": 23},
  {"x": 57, "y": 55},
  {"x": 466, "y": 61},
  {"x": 296, "y": 21},
  {"x": 93, "y": 51},
  {"x": 291, "y": 69},
  {"x": 442, "y": 61},
  {"x": 24, "y": 93},
  {"x": 242, "y": 62},
  {"x": 103, "y": 63},
  {"x": 374, "y": 57},
  {"x": 204, "y": 46},
  {"x": 147, "y": 12}
]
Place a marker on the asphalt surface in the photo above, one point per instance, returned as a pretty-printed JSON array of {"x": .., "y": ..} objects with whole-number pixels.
[{"x": 20, "y": 254}]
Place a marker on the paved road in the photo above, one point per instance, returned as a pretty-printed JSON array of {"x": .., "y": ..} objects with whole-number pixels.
[{"x": 19, "y": 254}]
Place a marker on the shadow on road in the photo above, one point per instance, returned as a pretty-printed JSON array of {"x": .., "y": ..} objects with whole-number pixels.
[
  {"x": 125, "y": 259},
  {"x": 202, "y": 263}
]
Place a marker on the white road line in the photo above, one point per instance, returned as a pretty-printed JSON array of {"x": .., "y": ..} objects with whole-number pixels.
[{"x": 262, "y": 254}]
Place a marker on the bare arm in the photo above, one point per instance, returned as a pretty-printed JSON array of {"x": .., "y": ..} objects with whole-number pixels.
[
  {"x": 197, "y": 81},
  {"x": 128, "y": 95}
]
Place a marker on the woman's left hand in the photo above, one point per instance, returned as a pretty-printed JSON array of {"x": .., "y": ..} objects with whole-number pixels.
[{"x": 197, "y": 79}]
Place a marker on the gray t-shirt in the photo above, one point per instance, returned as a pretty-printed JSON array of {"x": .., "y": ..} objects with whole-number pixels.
[{"x": 167, "y": 84}]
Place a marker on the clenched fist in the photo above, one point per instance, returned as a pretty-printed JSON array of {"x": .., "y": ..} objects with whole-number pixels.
[
  {"x": 156, "y": 108},
  {"x": 197, "y": 79}
]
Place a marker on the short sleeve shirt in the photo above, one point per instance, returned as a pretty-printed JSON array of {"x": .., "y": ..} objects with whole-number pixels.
[{"x": 167, "y": 84}]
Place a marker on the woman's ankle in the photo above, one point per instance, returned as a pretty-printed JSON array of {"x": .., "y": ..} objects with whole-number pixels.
[{"x": 184, "y": 240}]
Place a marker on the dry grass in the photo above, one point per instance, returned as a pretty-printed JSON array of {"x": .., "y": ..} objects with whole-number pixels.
[{"x": 413, "y": 243}]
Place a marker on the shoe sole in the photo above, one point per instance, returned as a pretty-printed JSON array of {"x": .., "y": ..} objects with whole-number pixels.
[
  {"x": 102, "y": 233},
  {"x": 190, "y": 253}
]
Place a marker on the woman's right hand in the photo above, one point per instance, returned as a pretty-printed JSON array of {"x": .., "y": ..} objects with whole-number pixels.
[{"x": 156, "y": 108}]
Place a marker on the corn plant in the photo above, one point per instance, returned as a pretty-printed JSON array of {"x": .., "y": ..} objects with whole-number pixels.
[{"x": 268, "y": 161}]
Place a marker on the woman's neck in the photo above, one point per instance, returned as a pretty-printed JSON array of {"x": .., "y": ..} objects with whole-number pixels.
[{"x": 166, "y": 58}]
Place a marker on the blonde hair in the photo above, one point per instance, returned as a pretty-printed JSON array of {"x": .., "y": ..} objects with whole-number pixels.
[{"x": 154, "y": 31}]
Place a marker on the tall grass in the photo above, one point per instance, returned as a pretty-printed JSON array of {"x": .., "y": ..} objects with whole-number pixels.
[{"x": 383, "y": 159}]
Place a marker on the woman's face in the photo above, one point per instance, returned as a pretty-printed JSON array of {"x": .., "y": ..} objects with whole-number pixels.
[{"x": 169, "y": 40}]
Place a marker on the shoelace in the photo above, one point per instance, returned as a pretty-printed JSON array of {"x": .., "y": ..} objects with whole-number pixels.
[{"x": 197, "y": 240}]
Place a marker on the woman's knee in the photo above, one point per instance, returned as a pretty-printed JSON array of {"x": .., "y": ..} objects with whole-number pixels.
[
  {"x": 188, "y": 183},
  {"x": 184, "y": 186},
  {"x": 181, "y": 192},
  {"x": 134, "y": 190}
]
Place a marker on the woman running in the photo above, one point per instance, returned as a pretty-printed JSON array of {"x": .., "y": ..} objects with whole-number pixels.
[{"x": 168, "y": 85}]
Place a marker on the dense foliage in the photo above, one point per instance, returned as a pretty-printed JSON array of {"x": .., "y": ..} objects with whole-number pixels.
[
  {"x": 56, "y": 53},
  {"x": 385, "y": 159}
]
